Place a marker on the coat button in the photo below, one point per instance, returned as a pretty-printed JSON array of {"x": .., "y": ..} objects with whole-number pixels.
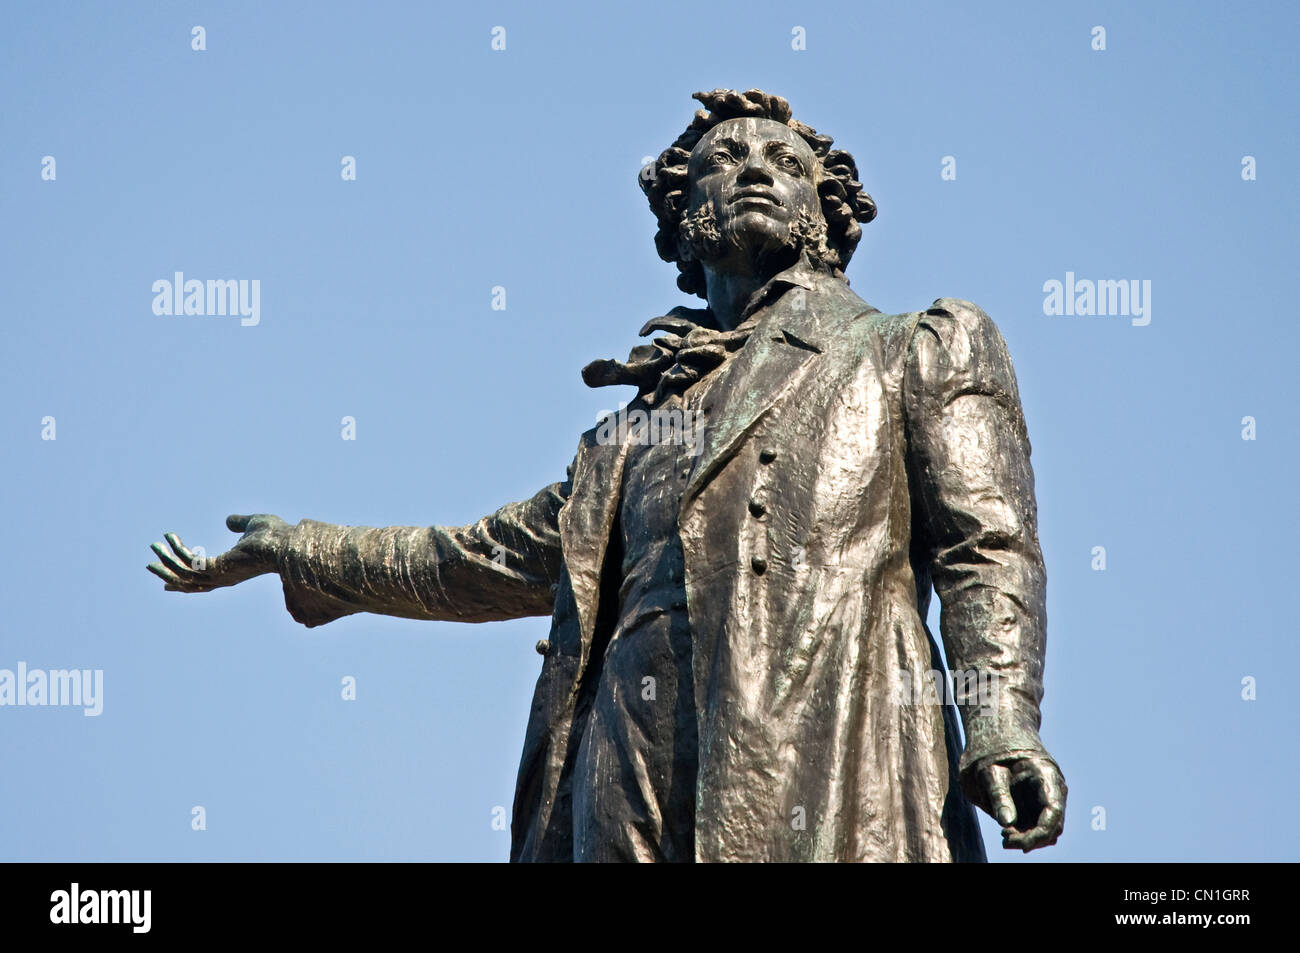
[
  {"x": 759, "y": 564},
  {"x": 543, "y": 646},
  {"x": 756, "y": 508},
  {"x": 766, "y": 455}
]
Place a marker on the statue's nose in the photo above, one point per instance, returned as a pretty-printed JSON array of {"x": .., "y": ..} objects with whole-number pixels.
[{"x": 754, "y": 172}]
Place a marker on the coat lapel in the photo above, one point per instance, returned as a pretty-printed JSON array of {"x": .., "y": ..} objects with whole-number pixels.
[
  {"x": 586, "y": 521},
  {"x": 785, "y": 347}
]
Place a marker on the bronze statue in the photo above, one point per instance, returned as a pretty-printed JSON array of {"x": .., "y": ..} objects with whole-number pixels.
[{"x": 738, "y": 607}]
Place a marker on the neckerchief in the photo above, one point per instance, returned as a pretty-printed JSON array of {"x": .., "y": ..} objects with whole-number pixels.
[{"x": 671, "y": 363}]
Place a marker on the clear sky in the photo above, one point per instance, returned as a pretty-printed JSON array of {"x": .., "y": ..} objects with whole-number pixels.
[{"x": 517, "y": 168}]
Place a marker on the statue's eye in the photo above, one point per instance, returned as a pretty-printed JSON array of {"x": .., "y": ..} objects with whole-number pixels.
[
  {"x": 789, "y": 163},
  {"x": 721, "y": 157}
]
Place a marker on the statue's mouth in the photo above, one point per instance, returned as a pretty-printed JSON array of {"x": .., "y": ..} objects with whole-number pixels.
[{"x": 752, "y": 195}]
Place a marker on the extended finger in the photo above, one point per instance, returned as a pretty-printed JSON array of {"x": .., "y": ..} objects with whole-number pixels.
[
  {"x": 236, "y": 523},
  {"x": 163, "y": 573},
  {"x": 997, "y": 780},
  {"x": 170, "y": 561},
  {"x": 174, "y": 582},
  {"x": 166, "y": 575},
  {"x": 179, "y": 548}
]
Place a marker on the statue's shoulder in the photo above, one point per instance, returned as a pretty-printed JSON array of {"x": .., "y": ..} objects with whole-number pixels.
[
  {"x": 963, "y": 331},
  {"x": 958, "y": 316},
  {"x": 959, "y": 332},
  {"x": 947, "y": 316},
  {"x": 957, "y": 348}
]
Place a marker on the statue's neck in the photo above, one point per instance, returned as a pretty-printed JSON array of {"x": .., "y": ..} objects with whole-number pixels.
[
  {"x": 731, "y": 283},
  {"x": 729, "y": 292}
]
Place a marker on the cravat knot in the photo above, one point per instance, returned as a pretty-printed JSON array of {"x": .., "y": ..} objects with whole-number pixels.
[{"x": 688, "y": 351}]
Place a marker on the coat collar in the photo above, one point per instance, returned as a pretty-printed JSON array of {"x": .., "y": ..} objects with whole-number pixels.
[
  {"x": 807, "y": 314},
  {"x": 799, "y": 275}
]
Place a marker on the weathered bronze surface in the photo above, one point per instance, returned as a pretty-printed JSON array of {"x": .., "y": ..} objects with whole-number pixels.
[{"x": 738, "y": 567}]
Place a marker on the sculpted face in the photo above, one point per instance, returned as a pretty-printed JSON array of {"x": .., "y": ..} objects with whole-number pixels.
[{"x": 753, "y": 187}]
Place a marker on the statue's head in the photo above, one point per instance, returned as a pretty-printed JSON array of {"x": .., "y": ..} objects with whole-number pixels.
[{"x": 746, "y": 183}]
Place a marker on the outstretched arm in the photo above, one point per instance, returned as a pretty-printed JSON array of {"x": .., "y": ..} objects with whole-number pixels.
[
  {"x": 976, "y": 522},
  {"x": 502, "y": 567}
]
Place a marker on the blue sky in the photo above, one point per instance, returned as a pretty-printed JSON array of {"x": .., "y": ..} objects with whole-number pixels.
[{"x": 517, "y": 168}]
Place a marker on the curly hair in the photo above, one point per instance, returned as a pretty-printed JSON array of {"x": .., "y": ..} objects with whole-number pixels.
[{"x": 666, "y": 183}]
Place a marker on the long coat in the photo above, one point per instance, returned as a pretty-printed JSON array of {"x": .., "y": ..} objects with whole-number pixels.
[{"x": 850, "y": 460}]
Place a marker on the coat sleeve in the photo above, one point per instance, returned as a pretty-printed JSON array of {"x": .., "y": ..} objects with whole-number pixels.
[
  {"x": 975, "y": 524},
  {"x": 505, "y": 566}
]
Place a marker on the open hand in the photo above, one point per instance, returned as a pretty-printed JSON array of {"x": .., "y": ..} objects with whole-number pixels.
[{"x": 253, "y": 555}]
